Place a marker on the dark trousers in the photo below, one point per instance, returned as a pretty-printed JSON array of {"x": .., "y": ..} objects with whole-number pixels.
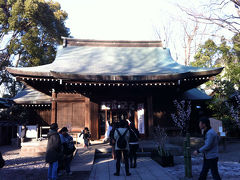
[
  {"x": 119, "y": 155},
  {"x": 133, "y": 154},
  {"x": 210, "y": 164}
]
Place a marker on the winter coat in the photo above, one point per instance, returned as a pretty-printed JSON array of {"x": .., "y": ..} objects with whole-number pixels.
[
  {"x": 210, "y": 148},
  {"x": 54, "y": 150},
  {"x": 134, "y": 136},
  {"x": 116, "y": 137}
]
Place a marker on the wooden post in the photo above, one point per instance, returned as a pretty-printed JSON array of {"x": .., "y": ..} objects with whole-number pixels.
[
  {"x": 54, "y": 107},
  {"x": 111, "y": 117},
  {"x": 150, "y": 114},
  {"x": 106, "y": 120},
  {"x": 87, "y": 113},
  {"x": 187, "y": 157},
  {"x": 136, "y": 119}
]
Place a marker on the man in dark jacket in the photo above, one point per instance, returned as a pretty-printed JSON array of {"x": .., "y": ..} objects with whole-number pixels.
[
  {"x": 209, "y": 150},
  {"x": 53, "y": 153}
]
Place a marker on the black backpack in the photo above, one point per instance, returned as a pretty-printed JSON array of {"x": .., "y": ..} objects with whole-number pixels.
[
  {"x": 121, "y": 142},
  {"x": 2, "y": 162}
]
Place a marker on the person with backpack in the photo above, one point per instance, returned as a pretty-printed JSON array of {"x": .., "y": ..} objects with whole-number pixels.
[
  {"x": 133, "y": 144},
  {"x": 68, "y": 149},
  {"x": 121, "y": 135}
]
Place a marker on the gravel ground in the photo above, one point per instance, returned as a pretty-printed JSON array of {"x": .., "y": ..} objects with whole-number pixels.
[
  {"x": 29, "y": 168},
  {"x": 20, "y": 168},
  {"x": 35, "y": 168},
  {"x": 229, "y": 166}
]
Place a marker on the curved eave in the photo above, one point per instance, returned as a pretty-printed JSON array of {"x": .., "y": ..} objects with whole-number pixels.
[
  {"x": 17, "y": 72},
  {"x": 32, "y": 102},
  {"x": 153, "y": 77},
  {"x": 160, "y": 77}
]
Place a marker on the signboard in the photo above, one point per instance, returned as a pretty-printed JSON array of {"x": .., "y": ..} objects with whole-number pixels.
[
  {"x": 31, "y": 131},
  {"x": 140, "y": 113}
]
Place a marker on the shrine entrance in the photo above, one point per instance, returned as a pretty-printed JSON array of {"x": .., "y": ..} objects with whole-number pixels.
[{"x": 115, "y": 111}]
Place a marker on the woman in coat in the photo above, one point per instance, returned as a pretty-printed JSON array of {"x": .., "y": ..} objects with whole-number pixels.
[{"x": 54, "y": 151}]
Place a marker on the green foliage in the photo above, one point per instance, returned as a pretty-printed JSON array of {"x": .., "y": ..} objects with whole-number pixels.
[
  {"x": 205, "y": 55},
  {"x": 36, "y": 27},
  {"x": 225, "y": 55},
  {"x": 230, "y": 126},
  {"x": 30, "y": 31}
]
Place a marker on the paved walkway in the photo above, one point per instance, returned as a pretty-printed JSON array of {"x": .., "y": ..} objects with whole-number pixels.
[
  {"x": 147, "y": 169},
  {"x": 83, "y": 160}
]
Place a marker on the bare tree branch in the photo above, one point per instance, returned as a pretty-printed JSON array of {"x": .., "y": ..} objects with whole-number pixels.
[{"x": 227, "y": 21}]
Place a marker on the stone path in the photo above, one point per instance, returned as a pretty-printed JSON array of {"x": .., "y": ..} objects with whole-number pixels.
[{"x": 147, "y": 169}]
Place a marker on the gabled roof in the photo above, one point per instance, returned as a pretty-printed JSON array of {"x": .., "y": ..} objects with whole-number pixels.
[
  {"x": 195, "y": 94},
  {"x": 31, "y": 96},
  {"x": 93, "y": 60}
]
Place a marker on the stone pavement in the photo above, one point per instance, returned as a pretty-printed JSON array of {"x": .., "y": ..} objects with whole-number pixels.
[
  {"x": 147, "y": 169},
  {"x": 83, "y": 160}
]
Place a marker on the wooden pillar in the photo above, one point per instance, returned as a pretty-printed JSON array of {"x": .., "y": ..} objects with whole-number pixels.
[
  {"x": 111, "y": 117},
  {"x": 54, "y": 107},
  {"x": 136, "y": 119},
  {"x": 150, "y": 114},
  {"x": 106, "y": 120},
  {"x": 87, "y": 113}
]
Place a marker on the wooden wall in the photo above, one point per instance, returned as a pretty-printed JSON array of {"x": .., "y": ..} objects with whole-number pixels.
[
  {"x": 71, "y": 111},
  {"x": 44, "y": 115}
]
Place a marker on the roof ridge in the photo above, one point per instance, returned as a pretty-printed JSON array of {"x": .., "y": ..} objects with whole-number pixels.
[{"x": 110, "y": 43}]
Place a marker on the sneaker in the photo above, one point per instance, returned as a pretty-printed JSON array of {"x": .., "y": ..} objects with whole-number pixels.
[
  {"x": 60, "y": 173},
  {"x": 128, "y": 174},
  {"x": 70, "y": 173},
  {"x": 116, "y": 174}
]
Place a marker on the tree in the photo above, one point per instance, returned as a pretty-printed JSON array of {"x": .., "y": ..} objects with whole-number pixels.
[
  {"x": 30, "y": 31},
  {"x": 226, "y": 54},
  {"x": 217, "y": 13}
]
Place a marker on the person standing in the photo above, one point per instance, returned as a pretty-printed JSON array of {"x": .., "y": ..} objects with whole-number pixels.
[
  {"x": 209, "y": 150},
  {"x": 121, "y": 135},
  {"x": 107, "y": 133},
  {"x": 86, "y": 136},
  {"x": 54, "y": 153},
  {"x": 112, "y": 141},
  {"x": 133, "y": 144},
  {"x": 23, "y": 133},
  {"x": 68, "y": 149}
]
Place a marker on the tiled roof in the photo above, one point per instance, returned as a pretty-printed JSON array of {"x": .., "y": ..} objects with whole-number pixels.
[
  {"x": 94, "y": 60},
  {"x": 31, "y": 96}
]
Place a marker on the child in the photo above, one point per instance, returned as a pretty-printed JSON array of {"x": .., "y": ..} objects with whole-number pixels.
[{"x": 86, "y": 136}]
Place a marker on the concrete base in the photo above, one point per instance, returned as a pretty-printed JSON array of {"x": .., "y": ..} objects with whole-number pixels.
[{"x": 33, "y": 148}]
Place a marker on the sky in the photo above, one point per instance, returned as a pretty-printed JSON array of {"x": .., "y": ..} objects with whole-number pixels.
[
  {"x": 131, "y": 20},
  {"x": 115, "y": 19},
  {"x": 124, "y": 20}
]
